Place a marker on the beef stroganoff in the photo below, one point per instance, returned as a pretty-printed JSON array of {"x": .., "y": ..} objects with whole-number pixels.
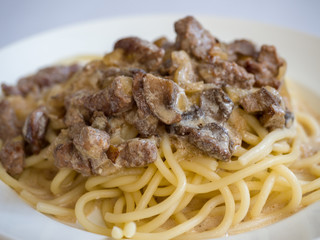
[{"x": 189, "y": 139}]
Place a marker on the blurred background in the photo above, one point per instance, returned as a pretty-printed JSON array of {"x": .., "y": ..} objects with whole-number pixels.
[{"x": 20, "y": 19}]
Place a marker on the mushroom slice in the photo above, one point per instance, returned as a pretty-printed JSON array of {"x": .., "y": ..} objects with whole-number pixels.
[{"x": 162, "y": 96}]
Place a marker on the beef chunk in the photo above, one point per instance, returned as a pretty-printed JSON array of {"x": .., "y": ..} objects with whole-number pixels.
[
  {"x": 66, "y": 156},
  {"x": 273, "y": 117},
  {"x": 111, "y": 72},
  {"x": 269, "y": 58},
  {"x": 76, "y": 114},
  {"x": 12, "y": 152},
  {"x": 145, "y": 123},
  {"x": 223, "y": 73},
  {"x": 113, "y": 100},
  {"x": 192, "y": 38},
  {"x": 8, "y": 121},
  {"x": 266, "y": 67},
  {"x": 192, "y": 119},
  {"x": 216, "y": 104},
  {"x": 137, "y": 92},
  {"x": 85, "y": 154},
  {"x": 142, "y": 118},
  {"x": 120, "y": 95},
  {"x": 136, "y": 152},
  {"x": 214, "y": 140},
  {"x": 92, "y": 143},
  {"x": 12, "y": 156},
  {"x": 240, "y": 48},
  {"x": 260, "y": 100},
  {"x": 75, "y": 106},
  {"x": 217, "y": 139},
  {"x": 161, "y": 96},
  {"x": 141, "y": 51},
  {"x": 34, "y": 129},
  {"x": 45, "y": 77},
  {"x": 268, "y": 104},
  {"x": 75, "y": 122}
]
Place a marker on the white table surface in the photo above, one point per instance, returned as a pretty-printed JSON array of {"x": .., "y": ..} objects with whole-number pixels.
[{"x": 23, "y": 18}]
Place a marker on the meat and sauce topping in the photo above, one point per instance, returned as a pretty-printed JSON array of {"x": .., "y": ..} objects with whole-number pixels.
[{"x": 112, "y": 112}]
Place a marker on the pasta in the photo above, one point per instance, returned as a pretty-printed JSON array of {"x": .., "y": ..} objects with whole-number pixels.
[{"x": 183, "y": 194}]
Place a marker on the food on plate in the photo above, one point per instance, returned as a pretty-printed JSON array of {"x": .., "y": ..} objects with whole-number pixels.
[{"x": 190, "y": 139}]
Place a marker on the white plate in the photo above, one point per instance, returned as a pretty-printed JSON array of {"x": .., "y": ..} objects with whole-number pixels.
[{"x": 19, "y": 221}]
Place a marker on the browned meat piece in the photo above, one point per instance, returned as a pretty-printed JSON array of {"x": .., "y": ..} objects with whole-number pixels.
[
  {"x": 8, "y": 121},
  {"x": 110, "y": 73},
  {"x": 215, "y": 103},
  {"x": 34, "y": 129},
  {"x": 192, "y": 38},
  {"x": 98, "y": 101},
  {"x": 138, "y": 92},
  {"x": 223, "y": 73},
  {"x": 12, "y": 152},
  {"x": 113, "y": 100},
  {"x": 142, "y": 118},
  {"x": 215, "y": 106},
  {"x": 92, "y": 143},
  {"x": 92, "y": 159},
  {"x": 240, "y": 48},
  {"x": 66, "y": 156},
  {"x": 266, "y": 67},
  {"x": 136, "y": 152},
  {"x": 141, "y": 51},
  {"x": 76, "y": 114},
  {"x": 206, "y": 127},
  {"x": 75, "y": 106},
  {"x": 214, "y": 140},
  {"x": 161, "y": 96},
  {"x": 145, "y": 123},
  {"x": 45, "y": 77},
  {"x": 120, "y": 95},
  {"x": 273, "y": 117},
  {"x": 269, "y": 58},
  {"x": 267, "y": 103},
  {"x": 77, "y": 100},
  {"x": 12, "y": 156},
  {"x": 260, "y": 100},
  {"x": 75, "y": 122},
  {"x": 192, "y": 119}
]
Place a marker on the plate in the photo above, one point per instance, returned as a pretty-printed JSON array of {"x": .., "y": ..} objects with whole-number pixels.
[{"x": 20, "y": 221}]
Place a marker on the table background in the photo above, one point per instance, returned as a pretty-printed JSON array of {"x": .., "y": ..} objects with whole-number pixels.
[{"x": 23, "y": 18}]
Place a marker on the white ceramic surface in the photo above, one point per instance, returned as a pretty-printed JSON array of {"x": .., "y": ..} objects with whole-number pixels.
[{"x": 19, "y": 221}]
